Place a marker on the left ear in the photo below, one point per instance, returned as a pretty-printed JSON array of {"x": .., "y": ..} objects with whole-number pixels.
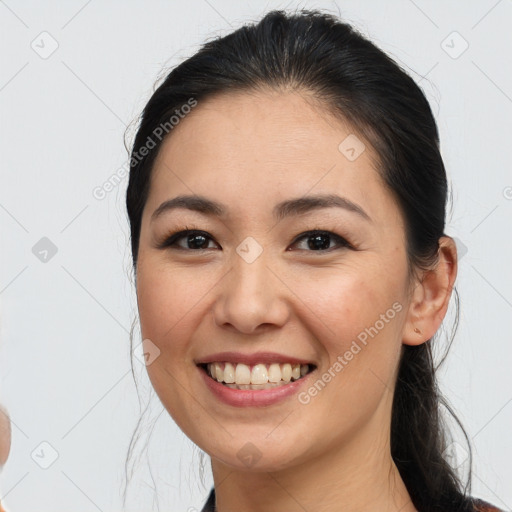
[{"x": 431, "y": 295}]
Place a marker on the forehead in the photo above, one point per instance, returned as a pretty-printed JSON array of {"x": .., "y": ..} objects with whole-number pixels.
[
  {"x": 275, "y": 121},
  {"x": 265, "y": 143}
]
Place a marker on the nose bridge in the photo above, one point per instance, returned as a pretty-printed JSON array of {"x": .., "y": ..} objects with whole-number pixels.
[
  {"x": 250, "y": 294},
  {"x": 250, "y": 280},
  {"x": 250, "y": 271}
]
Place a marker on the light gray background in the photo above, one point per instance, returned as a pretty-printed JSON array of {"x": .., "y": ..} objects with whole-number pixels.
[{"x": 64, "y": 357}]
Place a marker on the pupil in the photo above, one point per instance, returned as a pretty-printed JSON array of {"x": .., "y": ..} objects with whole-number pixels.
[
  {"x": 192, "y": 240},
  {"x": 317, "y": 242}
]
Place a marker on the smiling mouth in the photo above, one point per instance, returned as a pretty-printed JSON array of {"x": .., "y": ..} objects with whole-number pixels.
[{"x": 258, "y": 376}]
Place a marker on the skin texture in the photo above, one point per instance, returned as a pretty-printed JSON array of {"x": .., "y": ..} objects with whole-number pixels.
[{"x": 250, "y": 151}]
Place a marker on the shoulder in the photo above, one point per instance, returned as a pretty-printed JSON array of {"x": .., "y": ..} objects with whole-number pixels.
[{"x": 483, "y": 506}]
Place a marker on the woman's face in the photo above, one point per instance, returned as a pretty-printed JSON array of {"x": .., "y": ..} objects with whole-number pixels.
[{"x": 256, "y": 287}]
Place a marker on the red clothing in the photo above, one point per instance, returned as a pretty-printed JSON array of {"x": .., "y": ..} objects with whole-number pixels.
[{"x": 483, "y": 506}]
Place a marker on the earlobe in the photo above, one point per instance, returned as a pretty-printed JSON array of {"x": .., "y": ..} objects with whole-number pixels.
[{"x": 431, "y": 296}]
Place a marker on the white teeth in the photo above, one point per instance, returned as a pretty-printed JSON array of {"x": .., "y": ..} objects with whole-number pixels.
[
  {"x": 274, "y": 373},
  {"x": 286, "y": 372},
  {"x": 268, "y": 385},
  {"x": 229, "y": 373},
  {"x": 260, "y": 376},
  {"x": 217, "y": 372},
  {"x": 242, "y": 374}
]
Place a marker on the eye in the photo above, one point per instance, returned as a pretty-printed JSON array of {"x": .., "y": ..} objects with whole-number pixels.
[
  {"x": 197, "y": 240},
  {"x": 193, "y": 240},
  {"x": 319, "y": 241}
]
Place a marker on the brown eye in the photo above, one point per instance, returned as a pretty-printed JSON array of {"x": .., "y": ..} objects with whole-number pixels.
[
  {"x": 193, "y": 240},
  {"x": 319, "y": 241}
]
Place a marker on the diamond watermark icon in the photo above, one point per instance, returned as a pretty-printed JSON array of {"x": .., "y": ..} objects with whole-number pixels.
[
  {"x": 249, "y": 454},
  {"x": 146, "y": 352},
  {"x": 351, "y": 147},
  {"x": 249, "y": 249},
  {"x": 461, "y": 248},
  {"x": 454, "y": 45},
  {"x": 455, "y": 454},
  {"x": 44, "y": 455},
  {"x": 44, "y": 45},
  {"x": 44, "y": 250}
]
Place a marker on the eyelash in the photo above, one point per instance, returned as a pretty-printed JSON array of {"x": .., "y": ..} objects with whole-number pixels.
[{"x": 170, "y": 241}]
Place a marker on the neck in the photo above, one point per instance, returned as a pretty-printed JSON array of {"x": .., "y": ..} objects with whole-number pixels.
[{"x": 359, "y": 476}]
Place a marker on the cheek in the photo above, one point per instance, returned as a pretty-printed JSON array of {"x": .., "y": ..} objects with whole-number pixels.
[
  {"x": 170, "y": 309},
  {"x": 347, "y": 301},
  {"x": 361, "y": 319},
  {"x": 168, "y": 300},
  {"x": 358, "y": 317}
]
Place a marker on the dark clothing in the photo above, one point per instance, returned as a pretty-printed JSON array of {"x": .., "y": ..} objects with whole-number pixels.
[{"x": 209, "y": 506}]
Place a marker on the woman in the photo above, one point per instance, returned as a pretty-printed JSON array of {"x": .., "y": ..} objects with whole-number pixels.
[{"x": 287, "y": 210}]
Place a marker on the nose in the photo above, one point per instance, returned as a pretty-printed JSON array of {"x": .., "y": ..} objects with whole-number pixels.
[{"x": 251, "y": 297}]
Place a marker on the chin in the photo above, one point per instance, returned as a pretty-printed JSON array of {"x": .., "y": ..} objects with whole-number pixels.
[{"x": 256, "y": 454}]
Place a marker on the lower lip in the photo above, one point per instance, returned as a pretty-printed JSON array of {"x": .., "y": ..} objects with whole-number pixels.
[{"x": 252, "y": 397}]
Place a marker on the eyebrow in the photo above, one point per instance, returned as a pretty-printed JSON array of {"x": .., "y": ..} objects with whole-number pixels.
[{"x": 282, "y": 210}]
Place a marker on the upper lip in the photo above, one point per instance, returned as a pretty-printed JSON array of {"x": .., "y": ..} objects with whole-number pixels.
[{"x": 251, "y": 359}]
